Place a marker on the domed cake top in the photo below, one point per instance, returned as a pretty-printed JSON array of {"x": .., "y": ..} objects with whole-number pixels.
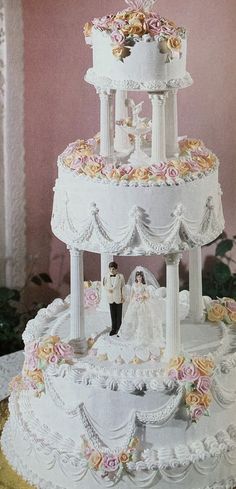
[{"x": 137, "y": 23}]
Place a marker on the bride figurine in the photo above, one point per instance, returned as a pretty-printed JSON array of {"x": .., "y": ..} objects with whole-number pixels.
[{"x": 142, "y": 322}]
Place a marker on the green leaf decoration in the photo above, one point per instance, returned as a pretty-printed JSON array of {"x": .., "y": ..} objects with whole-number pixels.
[
  {"x": 45, "y": 278},
  {"x": 221, "y": 272},
  {"x": 224, "y": 246},
  {"x": 36, "y": 280}
]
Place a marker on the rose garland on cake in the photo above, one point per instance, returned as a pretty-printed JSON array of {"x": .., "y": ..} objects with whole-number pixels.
[
  {"x": 38, "y": 356},
  {"x": 109, "y": 464},
  {"x": 194, "y": 160},
  {"x": 133, "y": 25},
  {"x": 196, "y": 376},
  {"x": 222, "y": 310}
]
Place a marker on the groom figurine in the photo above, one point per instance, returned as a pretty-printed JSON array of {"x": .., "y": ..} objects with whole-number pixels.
[{"x": 114, "y": 284}]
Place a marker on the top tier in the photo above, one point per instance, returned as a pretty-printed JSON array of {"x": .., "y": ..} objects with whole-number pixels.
[{"x": 137, "y": 49}]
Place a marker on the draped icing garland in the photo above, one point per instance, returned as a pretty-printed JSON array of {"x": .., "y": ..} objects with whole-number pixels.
[{"x": 179, "y": 235}]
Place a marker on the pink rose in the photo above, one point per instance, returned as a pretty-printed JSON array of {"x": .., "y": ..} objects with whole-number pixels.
[
  {"x": 125, "y": 170},
  {"x": 204, "y": 384},
  {"x": 31, "y": 362},
  {"x": 158, "y": 169},
  {"x": 154, "y": 25},
  {"x": 167, "y": 27},
  {"x": 119, "y": 23},
  {"x": 196, "y": 412},
  {"x": 63, "y": 350},
  {"x": 110, "y": 463},
  {"x": 117, "y": 37},
  {"x": 53, "y": 359},
  {"x": 79, "y": 162},
  {"x": 31, "y": 348},
  {"x": 173, "y": 374},
  {"x": 188, "y": 372},
  {"x": 107, "y": 169},
  {"x": 231, "y": 306},
  {"x": 172, "y": 172},
  {"x": 91, "y": 297},
  {"x": 103, "y": 23},
  {"x": 96, "y": 159},
  {"x": 193, "y": 165}
]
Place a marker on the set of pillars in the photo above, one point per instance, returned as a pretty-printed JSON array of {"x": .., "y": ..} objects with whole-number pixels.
[
  {"x": 164, "y": 123},
  {"x": 173, "y": 336}
]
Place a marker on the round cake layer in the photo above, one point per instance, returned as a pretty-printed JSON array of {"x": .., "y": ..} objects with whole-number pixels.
[
  {"x": 137, "y": 49},
  {"x": 96, "y": 215}
]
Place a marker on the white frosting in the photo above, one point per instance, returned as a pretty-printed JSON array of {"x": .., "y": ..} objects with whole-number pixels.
[
  {"x": 144, "y": 65},
  {"x": 138, "y": 220}
]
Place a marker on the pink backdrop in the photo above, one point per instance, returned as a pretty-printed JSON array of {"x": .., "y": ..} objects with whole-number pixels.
[{"x": 60, "y": 107}]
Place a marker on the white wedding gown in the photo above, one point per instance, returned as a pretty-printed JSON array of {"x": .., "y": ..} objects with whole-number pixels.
[{"x": 142, "y": 322}]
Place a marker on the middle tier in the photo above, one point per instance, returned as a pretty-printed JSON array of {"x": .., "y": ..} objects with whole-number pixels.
[{"x": 107, "y": 207}]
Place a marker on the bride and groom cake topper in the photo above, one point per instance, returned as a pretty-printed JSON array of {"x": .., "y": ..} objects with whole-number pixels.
[{"x": 142, "y": 321}]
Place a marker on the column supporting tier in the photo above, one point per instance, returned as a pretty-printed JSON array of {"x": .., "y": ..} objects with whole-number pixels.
[
  {"x": 121, "y": 142},
  {"x": 158, "y": 126},
  {"x": 171, "y": 123},
  {"x": 195, "y": 285},
  {"x": 106, "y": 258},
  {"x": 106, "y": 122},
  {"x": 173, "y": 339},
  {"x": 77, "y": 326}
]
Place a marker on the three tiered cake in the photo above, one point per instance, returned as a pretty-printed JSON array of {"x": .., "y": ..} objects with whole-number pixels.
[{"x": 116, "y": 412}]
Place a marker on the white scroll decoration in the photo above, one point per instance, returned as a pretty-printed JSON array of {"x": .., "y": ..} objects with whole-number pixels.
[
  {"x": 163, "y": 415},
  {"x": 178, "y": 236},
  {"x": 223, "y": 396}
]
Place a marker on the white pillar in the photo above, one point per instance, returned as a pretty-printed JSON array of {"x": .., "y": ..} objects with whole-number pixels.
[
  {"x": 158, "y": 127},
  {"x": 171, "y": 122},
  {"x": 106, "y": 122},
  {"x": 106, "y": 258},
  {"x": 77, "y": 328},
  {"x": 195, "y": 285},
  {"x": 173, "y": 341},
  {"x": 122, "y": 143}
]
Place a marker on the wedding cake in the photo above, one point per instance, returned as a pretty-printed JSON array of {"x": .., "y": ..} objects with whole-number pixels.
[{"x": 154, "y": 404}]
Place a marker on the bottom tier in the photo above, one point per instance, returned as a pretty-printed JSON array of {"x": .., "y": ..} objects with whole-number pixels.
[{"x": 101, "y": 423}]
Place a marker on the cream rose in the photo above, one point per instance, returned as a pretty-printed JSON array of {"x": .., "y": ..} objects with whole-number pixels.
[
  {"x": 123, "y": 457},
  {"x": 193, "y": 399},
  {"x": 92, "y": 169},
  {"x": 45, "y": 351},
  {"x": 121, "y": 52},
  {"x": 36, "y": 376},
  {"x": 88, "y": 29},
  {"x": 174, "y": 43},
  {"x": 95, "y": 460},
  {"x": 176, "y": 362},
  {"x": 204, "y": 365},
  {"x": 141, "y": 174},
  {"x": 205, "y": 400},
  {"x": 216, "y": 312}
]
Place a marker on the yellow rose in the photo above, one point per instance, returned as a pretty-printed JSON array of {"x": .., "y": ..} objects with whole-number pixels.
[
  {"x": 135, "y": 26},
  {"x": 136, "y": 360},
  {"x": 92, "y": 169},
  {"x": 163, "y": 48},
  {"x": 204, "y": 365},
  {"x": 134, "y": 442},
  {"x": 124, "y": 15},
  {"x": 190, "y": 144},
  {"x": 88, "y": 29},
  {"x": 95, "y": 460},
  {"x": 103, "y": 357},
  {"x": 45, "y": 351},
  {"x": 216, "y": 312},
  {"x": 176, "y": 362},
  {"x": 124, "y": 457},
  {"x": 36, "y": 376},
  {"x": 174, "y": 43},
  {"x": 205, "y": 400},
  {"x": 68, "y": 160},
  {"x": 120, "y": 52},
  {"x": 141, "y": 174},
  {"x": 193, "y": 399},
  {"x": 114, "y": 175},
  {"x": 184, "y": 168},
  {"x": 53, "y": 339},
  {"x": 87, "y": 284}
]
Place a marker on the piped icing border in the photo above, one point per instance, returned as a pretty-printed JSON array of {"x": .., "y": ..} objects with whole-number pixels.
[{"x": 194, "y": 162}]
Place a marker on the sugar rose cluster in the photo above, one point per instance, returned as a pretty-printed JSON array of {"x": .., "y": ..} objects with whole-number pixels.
[{"x": 133, "y": 25}]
